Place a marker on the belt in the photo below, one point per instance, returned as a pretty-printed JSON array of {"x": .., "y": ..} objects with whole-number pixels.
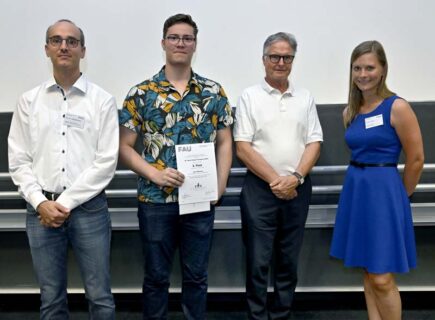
[
  {"x": 50, "y": 195},
  {"x": 363, "y": 165}
]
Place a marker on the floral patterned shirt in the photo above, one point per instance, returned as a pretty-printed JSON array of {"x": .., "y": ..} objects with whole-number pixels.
[{"x": 162, "y": 118}]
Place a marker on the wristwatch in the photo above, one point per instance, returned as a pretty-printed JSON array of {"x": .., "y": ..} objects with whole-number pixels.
[{"x": 299, "y": 177}]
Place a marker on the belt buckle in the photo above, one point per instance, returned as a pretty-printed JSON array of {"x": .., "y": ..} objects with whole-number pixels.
[{"x": 50, "y": 195}]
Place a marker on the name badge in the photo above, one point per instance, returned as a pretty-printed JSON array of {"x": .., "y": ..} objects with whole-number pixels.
[
  {"x": 374, "y": 121},
  {"x": 73, "y": 120}
]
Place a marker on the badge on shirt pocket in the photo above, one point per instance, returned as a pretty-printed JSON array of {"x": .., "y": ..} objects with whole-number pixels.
[
  {"x": 374, "y": 121},
  {"x": 75, "y": 121}
]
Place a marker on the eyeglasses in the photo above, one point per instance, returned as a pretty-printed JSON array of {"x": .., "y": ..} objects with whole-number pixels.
[
  {"x": 57, "y": 41},
  {"x": 275, "y": 58},
  {"x": 187, "y": 40}
]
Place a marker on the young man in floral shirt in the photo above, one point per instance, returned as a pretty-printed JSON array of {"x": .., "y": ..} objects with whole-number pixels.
[{"x": 176, "y": 106}]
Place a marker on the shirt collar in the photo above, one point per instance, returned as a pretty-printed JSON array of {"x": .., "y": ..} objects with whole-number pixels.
[
  {"x": 269, "y": 89},
  {"x": 80, "y": 84},
  {"x": 160, "y": 78}
]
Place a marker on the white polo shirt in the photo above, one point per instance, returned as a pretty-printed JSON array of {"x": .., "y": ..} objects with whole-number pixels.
[{"x": 278, "y": 125}]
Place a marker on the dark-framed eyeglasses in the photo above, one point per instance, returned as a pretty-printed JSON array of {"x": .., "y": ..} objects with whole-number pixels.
[
  {"x": 174, "y": 39},
  {"x": 56, "y": 41},
  {"x": 275, "y": 58}
]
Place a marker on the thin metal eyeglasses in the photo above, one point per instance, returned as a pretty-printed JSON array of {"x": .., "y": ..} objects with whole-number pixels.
[
  {"x": 174, "y": 39},
  {"x": 275, "y": 58},
  {"x": 57, "y": 41}
]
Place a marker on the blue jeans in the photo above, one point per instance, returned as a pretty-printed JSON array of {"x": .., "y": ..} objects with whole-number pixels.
[
  {"x": 163, "y": 230},
  {"x": 88, "y": 230}
]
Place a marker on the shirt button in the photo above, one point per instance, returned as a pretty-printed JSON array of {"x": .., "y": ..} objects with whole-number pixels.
[
  {"x": 63, "y": 133},
  {"x": 63, "y": 151},
  {"x": 63, "y": 169},
  {"x": 64, "y": 98},
  {"x": 64, "y": 188},
  {"x": 63, "y": 116}
]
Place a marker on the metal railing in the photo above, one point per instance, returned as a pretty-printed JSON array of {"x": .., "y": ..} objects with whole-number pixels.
[
  {"x": 235, "y": 191},
  {"x": 227, "y": 217}
]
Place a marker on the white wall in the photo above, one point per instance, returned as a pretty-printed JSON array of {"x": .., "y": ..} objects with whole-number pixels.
[{"x": 123, "y": 42}]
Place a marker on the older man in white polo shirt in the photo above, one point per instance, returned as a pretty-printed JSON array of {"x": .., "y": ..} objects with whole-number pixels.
[{"x": 278, "y": 137}]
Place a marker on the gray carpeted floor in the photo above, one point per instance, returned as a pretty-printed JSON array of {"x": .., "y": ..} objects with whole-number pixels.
[{"x": 297, "y": 315}]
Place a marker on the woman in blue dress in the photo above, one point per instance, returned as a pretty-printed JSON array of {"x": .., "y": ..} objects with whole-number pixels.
[{"x": 373, "y": 228}]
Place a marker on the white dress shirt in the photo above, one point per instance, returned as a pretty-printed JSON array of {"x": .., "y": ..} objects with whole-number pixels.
[
  {"x": 63, "y": 142},
  {"x": 278, "y": 125}
]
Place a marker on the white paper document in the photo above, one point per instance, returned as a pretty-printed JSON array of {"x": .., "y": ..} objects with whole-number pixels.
[
  {"x": 194, "y": 207},
  {"x": 198, "y": 164}
]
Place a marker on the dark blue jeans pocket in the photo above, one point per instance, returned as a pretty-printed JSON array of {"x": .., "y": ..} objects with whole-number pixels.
[
  {"x": 30, "y": 209},
  {"x": 158, "y": 222},
  {"x": 96, "y": 204}
]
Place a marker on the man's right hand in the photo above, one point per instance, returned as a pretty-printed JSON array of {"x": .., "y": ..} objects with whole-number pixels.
[
  {"x": 284, "y": 187},
  {"x": 52, "y": 214},
  {"x": 168, "y": 177}
]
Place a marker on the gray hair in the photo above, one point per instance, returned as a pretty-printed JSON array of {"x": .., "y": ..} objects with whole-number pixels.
[
  {"x": 82, "y": 35},
  {"x": 280, "y": 36}
]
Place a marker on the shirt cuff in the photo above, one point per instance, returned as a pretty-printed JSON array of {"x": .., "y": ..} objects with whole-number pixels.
[
  {"x": 36, "y": 198},
  {"x": 66, "y": 202},
  {"x": 243, "y": 138}
]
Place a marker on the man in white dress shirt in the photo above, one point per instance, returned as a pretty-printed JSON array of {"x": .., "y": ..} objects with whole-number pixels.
[
  {"x": 63, "y": 151},
  {"x": 278, "y": 135}
]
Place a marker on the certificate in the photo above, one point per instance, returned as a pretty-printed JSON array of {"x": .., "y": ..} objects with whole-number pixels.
[
  {"x": 198, "y": 164},
  {"x": 194, "y": 207}
]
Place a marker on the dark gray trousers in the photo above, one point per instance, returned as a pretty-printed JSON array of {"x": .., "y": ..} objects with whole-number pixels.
[{"x": 272, "y": 227}]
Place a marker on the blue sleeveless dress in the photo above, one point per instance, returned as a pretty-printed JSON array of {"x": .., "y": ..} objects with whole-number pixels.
[{"x": 373, "y": 228}]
